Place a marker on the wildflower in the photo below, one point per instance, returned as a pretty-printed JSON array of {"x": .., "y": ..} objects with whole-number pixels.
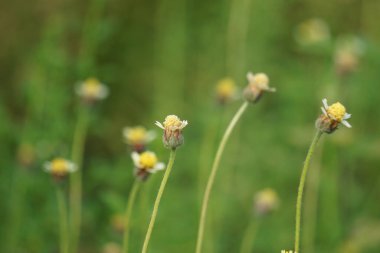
[
  {"x": 146, "y": 163},
  {"x": 265, "y": 201},
  {"x": 60, "y": 167},
  {"x": 91, "y": 90},
  {"x": 117, "y": 223},
  {"x": 172, "y": 127},
  {"x": 332, "y": 116},
  {"x": 312, "y": 31},
  {"x": 287, "y": 251},
  {"x": 257, "y": 84},
  {"x": 226, "y": 91},
  {"x": 111, "y": 247},
  {"x": 137, "y": 137}
]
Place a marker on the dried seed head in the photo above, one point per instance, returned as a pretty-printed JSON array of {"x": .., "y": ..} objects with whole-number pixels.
[
  {"x": 172, "y": 126},
  {"x": 332, "y": 116},
  {"x": 257, "y": 84}
]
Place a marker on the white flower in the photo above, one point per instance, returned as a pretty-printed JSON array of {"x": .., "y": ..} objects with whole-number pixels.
[
  {"x": 60, "y": 167},
  {"x": 147, "y": 161},
  {"x": 336, "y": 112},
  {"x": 91, "y": 90}
]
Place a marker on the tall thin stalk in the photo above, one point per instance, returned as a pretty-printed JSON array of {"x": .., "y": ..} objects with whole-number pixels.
[
  {"x": 76, "y": 178},
  {"x": 249, "y": 236},
  {"x": 301, "y": 187},
  {"x": 128, "y": 213},
  {"x": 158, "y": 199},
  {"x": 63, "y": 221},
  {"x": 214, "y": 169}
]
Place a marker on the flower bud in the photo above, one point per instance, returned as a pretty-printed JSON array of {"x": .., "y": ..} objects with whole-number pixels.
[{"x": 172, "y": 126}]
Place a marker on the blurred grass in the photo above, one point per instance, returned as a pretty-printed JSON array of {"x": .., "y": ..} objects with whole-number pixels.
[{"x": 164, "y": 57}]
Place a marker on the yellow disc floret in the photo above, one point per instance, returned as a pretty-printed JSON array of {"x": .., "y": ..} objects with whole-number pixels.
[
  {"x": 136, "y": 134},
  {"x": 92, "y": 87},
  {"x": 336, "y": 111},
  {"x": 59, "y": 166},
  {"x": 226, "y": 88},
  {"x": 261, "y": 80},
  {"x": 172, "y": 121},
  {"x": 148, "y": 160}
]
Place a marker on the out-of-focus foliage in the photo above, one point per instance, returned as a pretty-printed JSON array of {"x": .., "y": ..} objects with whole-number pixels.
[{"x": 165, "y": 57}]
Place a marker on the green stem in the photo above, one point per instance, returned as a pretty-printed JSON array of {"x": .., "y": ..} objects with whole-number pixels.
[
  {"x": 76, "y": 178},
  {"x": 128, "y": 213},
  {"x": 214, "y": 169},
  {"x": 300, "y": 190},
  {"x": 249, "y": 236},
  {"x": 158, "y": 199},
  {"x": 63, "y": 226}
]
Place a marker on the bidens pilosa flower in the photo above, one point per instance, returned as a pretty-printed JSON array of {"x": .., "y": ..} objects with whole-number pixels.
[
  {"x": 138, "y": 137},
  {"x": 226, "y": 91},
  {"x": 146, "y": 163},
  {"x": 172, "y": 126},
  {"x": 311, "y": 32},
  {"x": 332, "y": 116},
  {"x": 91, "y": 90},
  {"x": 287, "y": 251},
  {"x": 265, "y": 201},
  {"x": 60, "y": 168},
  {"x": 257, "y": 84}
]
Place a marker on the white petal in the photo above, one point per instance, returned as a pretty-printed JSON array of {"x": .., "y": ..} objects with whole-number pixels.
[
  {"x": 103, "y": 92},
  {"x": 150, "y": 136},
  {"x": 271, "y": 89},
  {"x": 136, "y": 159},
  {"x": 158, "y": 167},
  {"x": 324, "y": 102},
  {"x": 344, "y": 122},
  {"x": 184, "y": 123},
  {"x": 159, "y": 125},
  {"x": 71, "y": 167},
  {"x": 250, "y": 76},
  {"x": 324, "y": 111},
  {"x": 47, "y": 166},
  {"x": 347, "y": 116}
]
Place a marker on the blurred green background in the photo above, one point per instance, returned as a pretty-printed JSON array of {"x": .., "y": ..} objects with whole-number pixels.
[{"x": 165, "y": 57}]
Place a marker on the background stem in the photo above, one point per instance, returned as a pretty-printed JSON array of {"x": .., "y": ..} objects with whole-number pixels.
[{"x": 63, "y": 225}]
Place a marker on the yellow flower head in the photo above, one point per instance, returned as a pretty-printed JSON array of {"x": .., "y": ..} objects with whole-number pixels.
[
  {"x": 147, "y": 161},
  {"x": 60, "y": 167},
  {"x": 257, "y": 84},
  {"x": 172, "y": 127},
  {"x": 312, "y": 31},
  {"x": 266, "y": 201},
  {"x": 91, "y": 90},
  {"x": 226, "y": 90},
  {"x": 138, "y": 135},
  {"x": 287, "y": 251},
  {"x": 332, "y": 116}
]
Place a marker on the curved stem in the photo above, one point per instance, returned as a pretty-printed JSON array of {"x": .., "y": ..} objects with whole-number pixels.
[
  {"x": 300, "y": 190},
  {"x": 128, "y": 213},
  {"x": 76, "y": 178},
  {"x": 158, "y": 199},
  {"x": 214, "y": 169},
  {"x": 249, "y": 236},
  {"x": 63, "y": 227}
]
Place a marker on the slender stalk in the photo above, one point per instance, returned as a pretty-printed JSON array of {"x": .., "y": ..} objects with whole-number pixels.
[
  {"x": 300, "y": 189},
  {"x": 158, "y": 199},
  {"x": 249, "y": 236},
  {"x": 128, "y": 213},
  {"x": 214, "y": 169},
  {"x": 76, "y": 178},
  {"x": 63, "y": 225}
]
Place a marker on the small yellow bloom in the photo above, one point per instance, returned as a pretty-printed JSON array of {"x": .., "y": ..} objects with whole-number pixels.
[
  {"x": 138, "y": 137},
  {"x": 172, "y": 127},
  {"x": 312, "y": 31},
  {"x": 332, "y": 116},
  {"x": 226, "y": 90},
  {"x": 146, "y": 163},
  {"x": 118, "y": 222},
  {"x": 287, "y": 251},
  {"x": 60, "y": 167},
  {"x": 92, "y": 90},
  {"x": 257, "y": 84},
  {"x": 265, "y": 201}
]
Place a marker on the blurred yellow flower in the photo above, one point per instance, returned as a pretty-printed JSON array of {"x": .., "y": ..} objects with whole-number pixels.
[
  {"x": 138, "y": 137},
  {"x": 312, "y": 31},
  {"x": 287, "y": 251},
  {"x": 226, "y": 90},
  {"x": 257, "y": 84},
  {"x": 265, "y": 201},
  {"x": 60, "y": 167},
  {"x": 92, "y": 90},
  {"x": 146, "y": 163}
]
